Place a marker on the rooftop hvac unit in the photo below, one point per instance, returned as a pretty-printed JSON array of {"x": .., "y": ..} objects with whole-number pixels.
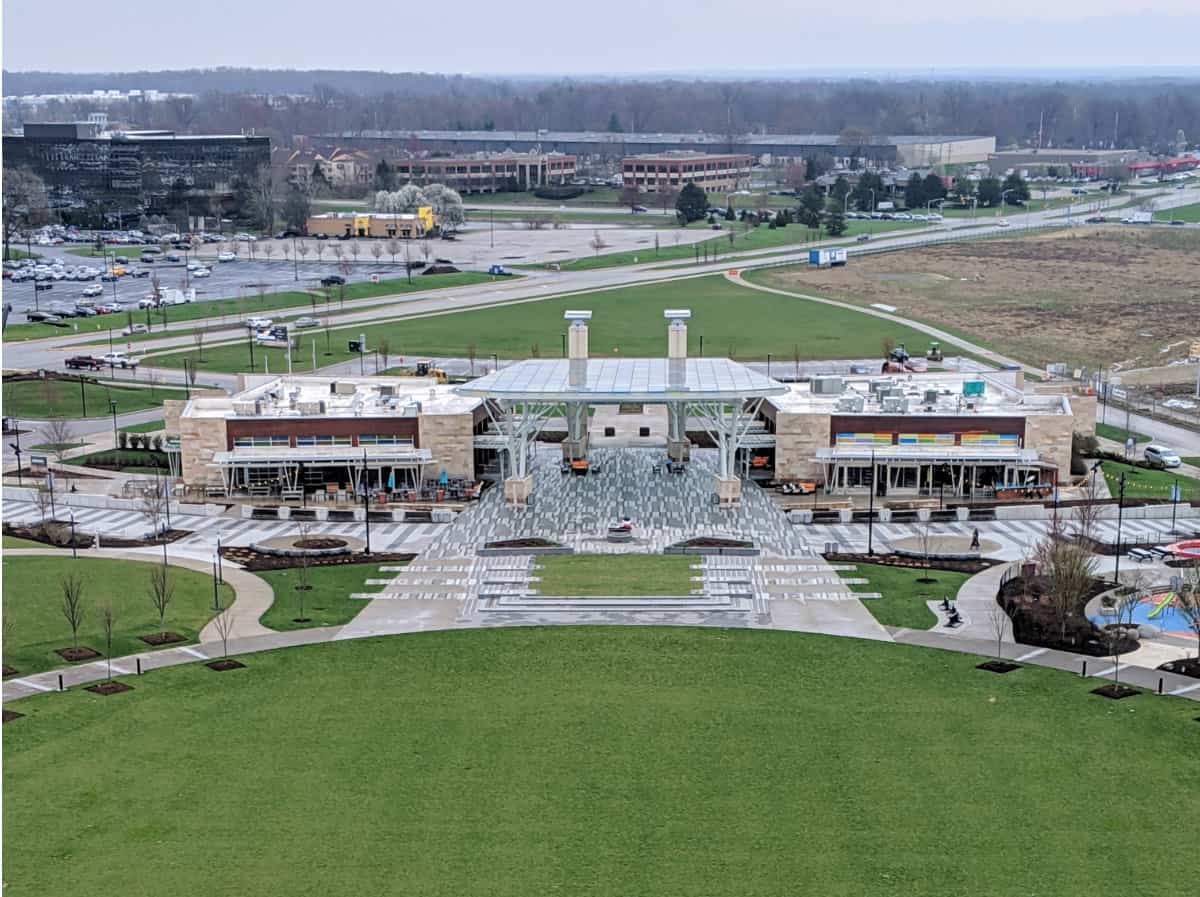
[
  {"x": 412, "y": 409},
  {"x": 826, "y": 386},
  {"x": 344, "y": 389},
  {"x": 312, "y": 407},
  {"x": 972, "y": 387},
  {"x": 895, "y": 405},
  {"x": 895, "y": 392},
  {"x": 387, "y": 390},
  {"x": 243, "y": 408},
  {"x": 879, "y": 387},
  {"x": 851, "y": 404},
  {"x": 931, "y": 396}
]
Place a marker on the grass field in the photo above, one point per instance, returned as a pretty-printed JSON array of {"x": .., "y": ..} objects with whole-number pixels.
[
  {"x": 150, "y": 426},
  {"x": 41, "y": 399},
  {"x": 732, "y": 320},
  {"x": 903, "y": 601},
  {"x": 1193, "y": 460},
  {"x": 1189, "y": 213},
  {"x": 1119, "y": 434},
  {"x": 1060, "y": 296},
  {"x": 625, "y": 574},
  {"x": 127, "y": 460},
  {"x": 1141, "y": 482},
  {"x": 128, "y": 252},
  {"x": 327, "y": 603},
  {"x": 33, "y": 602},
  {"x": 14, "y": 542},
  {"x": 594, "y": 762}
]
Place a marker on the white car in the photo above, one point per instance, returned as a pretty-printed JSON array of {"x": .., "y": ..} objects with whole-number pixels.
[
  {"x": 201, "y": 272},
  {"x": 1003, "y": 222},
  {"x": 134, "y": 328},
  {"x": 226, "y": 257},
  {"x": 93, "y": 289},
  {"x": 246, "y": 238},
  {"x": 306, "y": 322},
  {"x": 1157, "y": 455},
  {"x": 258, "y": 323}
]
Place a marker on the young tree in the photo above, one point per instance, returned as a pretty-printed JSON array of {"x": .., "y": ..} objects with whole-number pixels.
[
  {"x": 796, "y": 356},
  {"x": 1066, "y": 564},
  {"x": 692, "y": 203},
  {"x": 72, "y": 604},
  {"x": 198, "y": 339},
  {"x": 268, "y": 249},
  {"x": 43, "y": 499},
  {"x": 811, "y": 204},
  {"x": 60, "y": 435},
  {"x": 426, "y": 250},
  {"x": 384, "y": 348},
  {"x": 303, "y": 249},
  {"x": 998, "y": 618},
  {"x": 223, "y": 622},
  {"x": 108, "y": 619},
  {"x": 597, "y": 242},
  {"x": 393, "y": 246},
  {"x": 631, "y": 196},
  {"x": 153, "y": 507},
  {"x": 377, "y": 251},
  {"x": 472, "y": 351},
  {"x": 1187, "y": 600},
  {"x": 162, "y": 592}
]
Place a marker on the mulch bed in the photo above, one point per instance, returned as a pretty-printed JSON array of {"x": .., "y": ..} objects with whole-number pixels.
[
  {"x": 256, "y": 560},
  {"x": 998, "y": 666},
  {"x": 86, "y": 540},
  {"x": 109, "y": 688},
  {"x": 1116, "y": 692},
  {"x": 169, "y": 536},
  {"x": 9, "y": 671},
  {"x": 913, "y": 563},
  {"x": 1188, "y": 667},
  {"x": 523, "y": 543},
  {"x": 10, "y": 715},
  {"x": 63, "y": 473},
  {"x": 162, "y": 638},
  {"x": 224, "y": 664},
  {"x": 1034, "y": 622},
  {"x": 319, "y": 543},
  {"x": 74, "y": 655}
]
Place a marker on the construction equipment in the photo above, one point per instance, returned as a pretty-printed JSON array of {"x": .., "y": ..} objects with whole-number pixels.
[
  {"x": 425, "y": 368},
  {"x": 934, "y": 353},
  {"x": 898, "y": 361}
]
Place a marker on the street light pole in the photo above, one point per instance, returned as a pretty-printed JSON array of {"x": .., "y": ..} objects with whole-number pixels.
[
  {"x": 112, "y": 406},
  {"x": 871, "y": 509},
  {"x": 366, "y": 503},
  {"x": 1120, "y": 509},
  {"x": 74, "y": 552}
]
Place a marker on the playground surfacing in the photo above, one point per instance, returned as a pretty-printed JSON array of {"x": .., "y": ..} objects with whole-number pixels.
[{"x": 1161, "y": 611}]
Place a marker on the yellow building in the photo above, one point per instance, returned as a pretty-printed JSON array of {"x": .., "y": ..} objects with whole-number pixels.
[{"x": 401, "y": 225}]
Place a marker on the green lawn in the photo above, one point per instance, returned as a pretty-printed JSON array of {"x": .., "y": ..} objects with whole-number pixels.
[
  {"x": 903, "y": 601},
  {"x": 1141, "y": 482},
  {"x": 1189, "y": 213},
  {"x": 150, "y": 426},
  {"x": 41, "y": 399},
  {"x": 135, "y": 460},
  {"x": 15, "y": 254},
  {"x": 1193, "y": 460},
  {"x": 17, "y": 332},
  {"x": 33, "y": 603},
  {"x": 14, "y": 542},
  {"x": 128, "y": 252},
  {"x": 615, "y": 574},
  {"x": 599, "y": 761},
  {"x": 56, "y": 446},
  {"x": 328, "y": 602},
  {"x": 1119, "y": 434},
  {"x": 731, "y": 319}
]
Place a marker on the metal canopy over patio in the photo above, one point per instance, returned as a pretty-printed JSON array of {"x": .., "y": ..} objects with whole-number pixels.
[
  {"x": 909, "y": 468},
  {"x": 722, "y": 394},
  {"x": 235, "y": 466}
]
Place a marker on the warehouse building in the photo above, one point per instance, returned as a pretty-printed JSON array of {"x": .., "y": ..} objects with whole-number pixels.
[
  {"x": 488, "y": 173},
  {"x": 115, "y": 178},
  {"x": 714, "y": 172}
]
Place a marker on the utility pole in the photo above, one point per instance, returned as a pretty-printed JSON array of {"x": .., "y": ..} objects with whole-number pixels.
[{"x": 871, "y": 509}]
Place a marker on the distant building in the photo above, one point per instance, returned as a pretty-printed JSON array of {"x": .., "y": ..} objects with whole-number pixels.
[
  {"x": 488, "y": 173},
  {"x": 403, "y": 225},
  {"x": 115, "y": 178},
  {"x": 1064, "y": 162},
  {"x": 709, "y": 171}
]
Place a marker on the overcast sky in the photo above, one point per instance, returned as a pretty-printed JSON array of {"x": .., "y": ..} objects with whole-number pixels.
[{"x": 610, "y": 37}]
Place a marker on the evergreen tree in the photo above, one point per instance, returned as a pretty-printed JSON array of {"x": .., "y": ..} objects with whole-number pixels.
[
  {"x": 385, "y": 178},
  {"x": 811, "y": 204},
  {"x": 692, "y": 203},
  {"x": 840, "y": 188},
  {"x": 988, "y": 191},
  {"x": 1017, "y": 188},
  {"x": 835, "y": 219},
  {"x": 934, "y": 187},
  {"x": 914, "y": 192},
  {"x": 614, "y": 124}
]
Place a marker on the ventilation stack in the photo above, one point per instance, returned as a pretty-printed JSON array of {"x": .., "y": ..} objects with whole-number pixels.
[
  {"x": 575, "y": 446},
  {"x": 678, "y": 447}
]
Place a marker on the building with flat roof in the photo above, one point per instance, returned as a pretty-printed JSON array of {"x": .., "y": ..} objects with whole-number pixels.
[
  {"x": 716, "y": 172},
  {"x": 401, "y": 225},
  {"x": 115, "y": 178},
  {"x": 283, "y": 435},
  {"x": 908, "y": 149},
  {"x": 488, "y": 172}
]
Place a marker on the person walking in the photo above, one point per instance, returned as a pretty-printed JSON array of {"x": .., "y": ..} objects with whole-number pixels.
[{"x": 975, "y": 540}]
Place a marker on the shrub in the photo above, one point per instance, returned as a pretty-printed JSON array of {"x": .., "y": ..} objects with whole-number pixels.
[
  {"x": 158, "y": 443},
  {"x": 122, "y": 440},
  {"x": 554, "y": 191}
]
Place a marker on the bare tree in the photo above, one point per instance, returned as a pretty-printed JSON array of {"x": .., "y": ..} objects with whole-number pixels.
[
  {"x": 60, "y": 435},
  {"x": 153, "y": 507},
  {"x": 1187, "y": 601},
  {"x": 191, "y": 372},
  {"x": 303, "y": 585},
  {"x": 72, "y": 604},
  {"x": 162, "y": 591},
  {"x": 1068, "y": 568},
  {"x": 393, "y": 246},
  {"x": 1126, "y": 599},
  {"x": 597, "y": 242},
  {"x": 108, "y": 619},
  {"x": 223, "y": 622},
  {"x": 472, "y": 351},
  {"x": 198, "y": 336},
  {"x": 286, "y": 251},
  {"x": 796, "y": 356},
  {"x": 44, "y": 501},
  {"x": 384, "y": 348},
  {"x": 338, "y": 252},
  {"x": 320, "y": 250},
  {"x": 377, "y": 251},
  {"x": 426, "y": 250},
  {"x": 928, "y": 540},
  {"x": 304, "y": 249},
  {"x": 268, "y": 249},
  {"x": 355, "y": 248},
  {"x": 998, "y": 618}
]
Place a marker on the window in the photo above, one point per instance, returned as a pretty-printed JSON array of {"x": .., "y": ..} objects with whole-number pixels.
[
  {"x": 384, "y": 439},
  {"x": 322, "y": 440},
  {"x": 259, "y": 441}
]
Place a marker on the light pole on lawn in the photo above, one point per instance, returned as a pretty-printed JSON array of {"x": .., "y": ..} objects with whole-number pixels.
[
  {"x": 74, "y": 553},
  {"x": 366, "y": 503},
  {"x": 871, "y": 509},
  {"x": 112, "y": 407},
  {"x": 1120, "y": 509}
]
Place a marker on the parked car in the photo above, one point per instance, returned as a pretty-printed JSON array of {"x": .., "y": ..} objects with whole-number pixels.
[
  {"x": 131, "y": 329},
  {"x": 226, "y": 257},
  {"x": 201, "y": 272},
  {"x": 84, "y": 362},
  {"x": 1158, "y": 455},
  {"x": 258, "y": 323},
  {"x": 300, "y": 323},
  {"x": 332, "y": 280},
  {"x": 93, "y": 289}
]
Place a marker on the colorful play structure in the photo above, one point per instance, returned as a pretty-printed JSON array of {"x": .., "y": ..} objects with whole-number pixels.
[{"x": 1188, "y": 548}]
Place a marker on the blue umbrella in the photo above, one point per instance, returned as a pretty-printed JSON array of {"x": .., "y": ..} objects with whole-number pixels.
[
  {"x": 392, "y": 480},
  {"x": 443, "y": 479}
]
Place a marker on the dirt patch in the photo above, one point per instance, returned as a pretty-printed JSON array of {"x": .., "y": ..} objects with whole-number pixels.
[
  {"x": 256, "y": 560},
  {"x": 10, "y": 715},
  {"x": 1116, "y": 692},
  {"x": 974, "y": 565},
  {"x": 221, "y": 666},
  {"x": 63, "y": 473},
  {"x": 10, "y": 671},
  {"x": 74, "y": 655},
  {"x": 313, "y": 544},
  {"x": 108, "y": 688},
  {"x": 998, "y": 666},
  {"x": 57, "y": 534},
  {"x": 1063, "y": 296},
  {"x": 162, "y": 638}
]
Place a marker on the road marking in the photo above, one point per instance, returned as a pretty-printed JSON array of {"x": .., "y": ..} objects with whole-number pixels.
[
  {"x": 1036, "y": 652},
  {"x": 34, "y": 685},
  {"x": 194, "y": 653},
  {"x": 1103, "y": 673},
  {"x": 1184, "y": 689}
]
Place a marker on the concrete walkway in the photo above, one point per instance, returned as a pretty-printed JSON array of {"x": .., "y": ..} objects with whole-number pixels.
[{"x": 252, "y": 595}]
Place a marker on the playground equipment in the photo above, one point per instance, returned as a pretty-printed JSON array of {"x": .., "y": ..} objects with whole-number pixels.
[{"x": 1188, "y": 548}]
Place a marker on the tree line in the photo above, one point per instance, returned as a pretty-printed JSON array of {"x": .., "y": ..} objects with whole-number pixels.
[{"x": 1143, "y": 113}]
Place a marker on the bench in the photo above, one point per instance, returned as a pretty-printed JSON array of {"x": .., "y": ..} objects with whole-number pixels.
[{"x": 1141, "y": 555}]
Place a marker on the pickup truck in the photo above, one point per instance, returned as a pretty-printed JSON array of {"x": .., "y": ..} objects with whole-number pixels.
[
  {"x": 84, "y": 362},
  {"x": 118, "y": 360}
]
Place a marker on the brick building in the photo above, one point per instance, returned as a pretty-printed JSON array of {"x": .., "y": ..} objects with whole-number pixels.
[
  {"x": 488, "y": 173},
  {"x": 714, "y": 172}
]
